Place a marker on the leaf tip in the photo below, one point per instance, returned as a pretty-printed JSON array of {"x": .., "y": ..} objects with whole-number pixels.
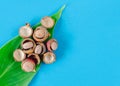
[{"x": 63, "y": 7}]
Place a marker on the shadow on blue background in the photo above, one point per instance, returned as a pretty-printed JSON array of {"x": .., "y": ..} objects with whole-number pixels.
[{"x": 88, "y": 34}]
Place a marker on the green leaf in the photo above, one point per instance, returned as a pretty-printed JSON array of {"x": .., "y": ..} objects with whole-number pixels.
[{"x": 11, "y": 73}]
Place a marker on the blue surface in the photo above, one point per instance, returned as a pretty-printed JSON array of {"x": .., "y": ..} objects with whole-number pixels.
[{"x": 88, "y": 34}]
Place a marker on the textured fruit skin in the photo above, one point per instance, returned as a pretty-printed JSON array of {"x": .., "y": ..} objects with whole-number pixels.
[
  {"x": 50, "y": 45},
  {"x": 19, "y": 55},
  {"x": 35, "y": 58},
  {"x": 28, "y": 65},
  {"x": 41, "y": 50},
  {"x": 30, "y": 50},
  {"x": 26, "y": 31},
  {"x": 45, "y": 36},
  {"x": 47, "y": 22},
  {"x": 49, "y": 58}
]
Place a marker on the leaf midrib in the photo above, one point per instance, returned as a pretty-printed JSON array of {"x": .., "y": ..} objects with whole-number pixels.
[{"x": 7, "y": 69}]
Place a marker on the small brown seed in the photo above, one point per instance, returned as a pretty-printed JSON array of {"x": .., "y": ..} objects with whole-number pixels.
[
  {"x": 52, "y": 44},
  {"x": 35, "y": 58},
  {"x": 26, "y": 31},
  {"x": 40, "y": 34},
  {"x": 49, "y": 58},
  {"x": 28, "y": 45},
  {"x": 19, "y": 55},
  {"x": 43, "y": 50},
  {"x": 47, "y": 22},
  {"x": 38, "y": 49},
  {"x": 28, "y": 65}
]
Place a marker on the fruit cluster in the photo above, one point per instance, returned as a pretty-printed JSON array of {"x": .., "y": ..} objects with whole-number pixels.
[{"x": 35, "y": 46}]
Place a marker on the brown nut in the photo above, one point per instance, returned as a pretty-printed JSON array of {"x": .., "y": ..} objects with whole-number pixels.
[
  {"x": 35, "y": 58},
  {"x": 49, "y": 58},
  {"x": 28, "y": 45},
  {"x": 47, "y": 22},
  {"x": 40, "y": 34},
  {"x": 40, "y": 48},
  {"x": 52, "y": 45},
  {"x": 26, "y": 31},
  {"x": 28, "y": 65},
  {"x": 19, "y": 55}
]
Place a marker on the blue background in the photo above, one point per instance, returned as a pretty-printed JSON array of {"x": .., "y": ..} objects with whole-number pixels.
[{"x": 88, "y": 34}]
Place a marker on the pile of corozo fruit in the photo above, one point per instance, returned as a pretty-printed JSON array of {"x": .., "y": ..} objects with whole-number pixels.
[{"x": 35, "y": 46}]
